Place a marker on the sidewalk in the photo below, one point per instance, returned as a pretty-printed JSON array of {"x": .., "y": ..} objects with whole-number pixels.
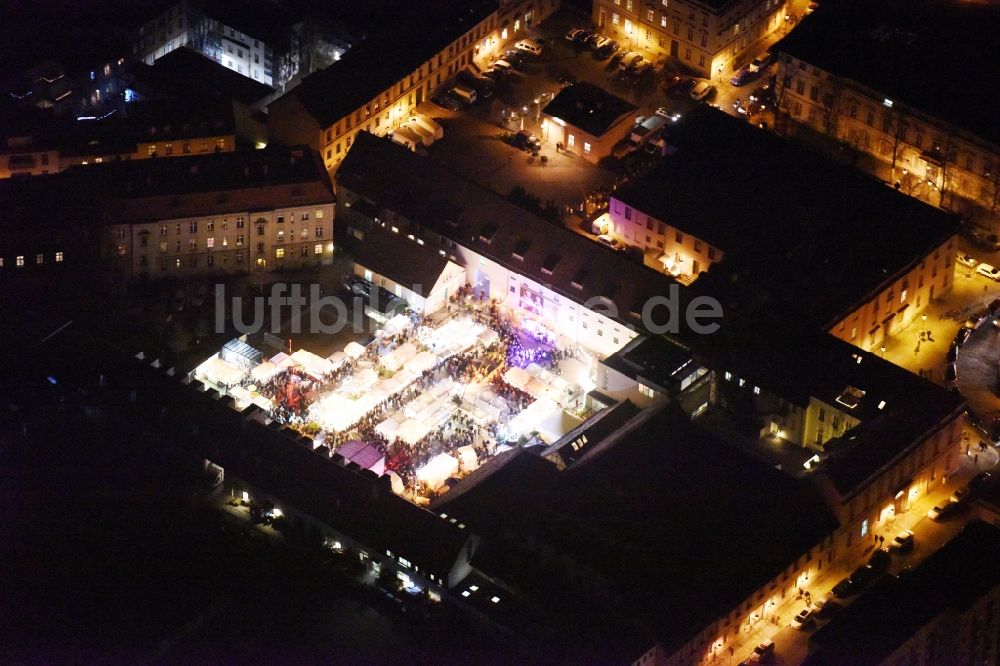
[{"x": 792, "y": 646}]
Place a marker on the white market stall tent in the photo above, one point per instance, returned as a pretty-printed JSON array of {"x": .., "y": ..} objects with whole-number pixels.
[{"x": 438, "y": 470}]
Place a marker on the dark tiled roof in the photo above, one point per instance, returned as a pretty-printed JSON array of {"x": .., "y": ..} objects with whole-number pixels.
[
  {"x": 387, "y": 56},
  {"x": 408, "y": 264},
  {"x": 275, "y": 462},
  {"x": 887, "y": 616},
  {"x": 681, "y": 526},
  {"x": 588, "y": 107},
  {"x": 813, "y": 232},
  {"x": 905, "y": 50},
  {"x": 185, "y": 74},
  {"x": 434, "y": 198}
]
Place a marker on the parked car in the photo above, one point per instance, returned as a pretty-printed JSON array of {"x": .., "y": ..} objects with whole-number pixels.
[
  {"x": 446, "y": 101},
  {"x": 845, "y": 588},
  {"x": 671, "y": 83},
  {"x": 502, "y": 65},
  {"x": 967, "y": 260},
  {"x": 526, "y": 141},
  {"x": 904, "y": 542},
  {"x": 613, "y": 243},
  {"x": 742, "y": 77},
  {"x": 606, "y": 49},
  {"x": 577, "y": 35},
  {"x": 862, "y": 576},
  {"x": 803, "y": 619},
  {"x": 639, "y": 69},
  {"x": 979, "y": 481},
  {"x": 701, "y": 90},
  {"x": 988, "y": 270},
  {"x": 515, "y": 57},
  {"x": 356, "y": 286},
  {"x": 936, "y": 512},
  {"x": 529, "y": 46},
  {"x": 960, "y": 494},
  {"x": 879, "y": 561},
  {"x": 629, "y": 59},
  {"x": 672, "y": 116},
  {"x": 765, "y": 651},
  {"x": 951, "y": 374},
  {"x": 594, "y": 40},
  {"x": 961, "y": 336},
  {"x": 821, "y": 604},
  {"x": 761, "y": 62}
]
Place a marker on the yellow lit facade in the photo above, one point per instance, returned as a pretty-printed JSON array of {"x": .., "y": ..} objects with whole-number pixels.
[
  {"x": 706, "y": 39},
  {"x": 932, "y": 160},
  {"x": 388, "y": 110}
]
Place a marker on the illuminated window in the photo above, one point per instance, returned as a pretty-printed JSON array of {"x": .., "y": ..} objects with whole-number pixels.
[
  {"x": 615, "y": 19},
  {"x": 864, "y": 528},
  {"x": 318, "y": 248},
  {"x": 39, "y": 259},
  {"x": 586, "y": 148},
  {"x": 210, "y": 242},
  {"x": 19, "y": 261},
  {"x": 571, "y": 140},
  {"x": 319, "y": 214},
  {"x": 279, "y": 253}
]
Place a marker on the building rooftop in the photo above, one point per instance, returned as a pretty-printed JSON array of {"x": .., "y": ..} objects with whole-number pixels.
[
  {"x": 659, "y": 517},
  {"x": 574, "y": 444},
  {"x": 890, "y": 614},
  {"x": 771, "y": 348},
  {"x": 786, "y": 217},
  {"x": 896, "y": 47},
  {"x": 413, "y": 266},
  {"x": 276, "y": 462},
  {"x": 435, "y": 199},
  {"x": 186, "y": 75},
  {"x": 588, "y": 107},
  {"x": 657, "y": 360},
  {"x": 386, "y": 57}
]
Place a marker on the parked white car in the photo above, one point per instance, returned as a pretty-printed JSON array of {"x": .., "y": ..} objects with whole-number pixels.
[
  {"x": 702, "y": 90},
  {"x": 988, "y": 270}
]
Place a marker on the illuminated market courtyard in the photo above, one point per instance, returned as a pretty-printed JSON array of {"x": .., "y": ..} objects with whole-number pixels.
[{"x": 427, "y": 401}]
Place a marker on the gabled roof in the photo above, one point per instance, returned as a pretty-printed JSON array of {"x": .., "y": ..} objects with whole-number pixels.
[
  {"x": 413, "y": 266},
  {"x": 386, "y": 57},
  {"x": 438, "y": 200},
  {"x": 185, "y": 74},
  {"x": 588, "y": 107}
]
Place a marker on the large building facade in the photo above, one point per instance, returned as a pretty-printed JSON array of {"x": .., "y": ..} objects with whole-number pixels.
[
  {"x": 840, "y": 77},
  {"x": 711, "y": 37},
  {"x": 186, "y": 24},
  {"x": 366, "y": 91}
]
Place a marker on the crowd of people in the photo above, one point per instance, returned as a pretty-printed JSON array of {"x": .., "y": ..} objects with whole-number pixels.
[{"x": 292, "y": 391}]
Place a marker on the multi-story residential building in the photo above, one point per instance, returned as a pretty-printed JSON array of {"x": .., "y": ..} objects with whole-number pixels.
[
  {"x": 366, "y": 90},
  {"x": 587, "y": 121},
  {"x": 208, "y": 32},
  {"x": 710, "y": 37},
  {"x": 786, "y": 232},
  {"x": 223, "y": 213},
  {"x": 851, "y": 73},
  {"x": 215, "y": 213}
]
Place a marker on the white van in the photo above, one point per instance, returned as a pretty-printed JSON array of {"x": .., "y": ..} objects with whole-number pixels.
[
  {"x": 529, "y": 46},
  {"x": 465, "y": 94}
]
